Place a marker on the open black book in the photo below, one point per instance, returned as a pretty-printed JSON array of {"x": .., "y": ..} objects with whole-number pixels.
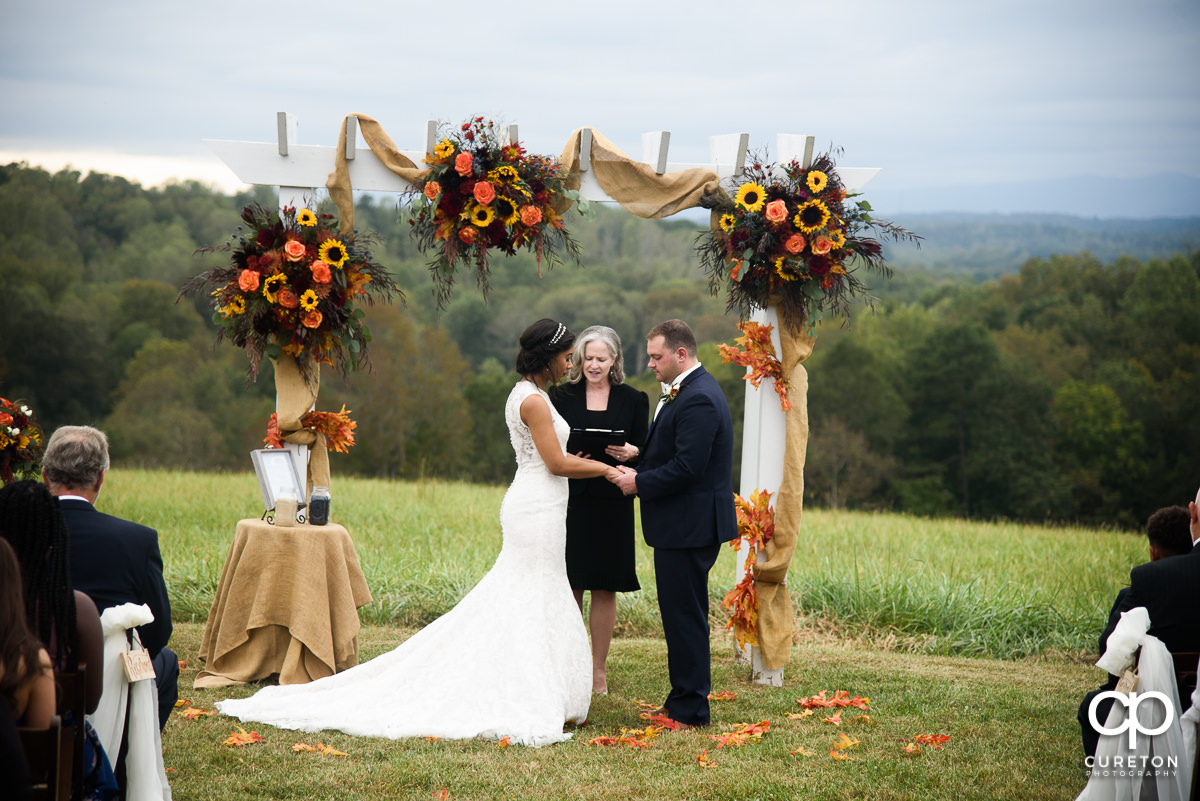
[{"x": 593, "y": 440}]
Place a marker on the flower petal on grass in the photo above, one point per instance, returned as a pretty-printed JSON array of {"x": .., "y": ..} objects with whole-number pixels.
[{"x": 703, "y": 760}]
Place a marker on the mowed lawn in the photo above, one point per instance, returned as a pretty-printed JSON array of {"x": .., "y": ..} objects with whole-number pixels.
[{"x": 978, "y": 632}]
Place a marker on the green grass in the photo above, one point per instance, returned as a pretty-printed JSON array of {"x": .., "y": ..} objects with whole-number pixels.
[{"x": 975, "y": 630}]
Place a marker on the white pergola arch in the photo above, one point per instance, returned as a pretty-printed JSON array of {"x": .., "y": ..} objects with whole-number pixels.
[{"x": 296, "y": 170}]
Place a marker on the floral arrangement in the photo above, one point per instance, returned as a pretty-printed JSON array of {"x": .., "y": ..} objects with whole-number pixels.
[
  {"x": 293, "y": 285},
  {"x": 20, "y": 443},
  {"x": 482, "y": 194},
  {"x": 754, "y": 350},
  {"x": 756, "y": 525},
  {"x": 337, "y": 427},
  {"x": 669, "y": 395},
  {"x": 788, "y": 234}
]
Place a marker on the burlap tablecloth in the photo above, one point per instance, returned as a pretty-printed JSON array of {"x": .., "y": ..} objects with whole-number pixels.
[{"x": 287, "y": 604}]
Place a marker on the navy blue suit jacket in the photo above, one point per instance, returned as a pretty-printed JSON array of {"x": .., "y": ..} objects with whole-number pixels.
[
  {"x": 685, "y": 479},
  {"x": 115, "y": 561}
]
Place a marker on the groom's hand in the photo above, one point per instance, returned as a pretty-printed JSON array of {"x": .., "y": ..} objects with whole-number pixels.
[{"x": 627, "y": 481}]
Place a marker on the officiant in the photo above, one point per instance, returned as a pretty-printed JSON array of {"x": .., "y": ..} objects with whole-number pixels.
[{"x": 608, "y": 420}]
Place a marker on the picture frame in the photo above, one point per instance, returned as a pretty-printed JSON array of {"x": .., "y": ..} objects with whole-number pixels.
[{"x": 277, "y": 474}]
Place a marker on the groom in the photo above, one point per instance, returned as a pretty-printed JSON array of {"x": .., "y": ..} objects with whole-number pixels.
[{"x": 686, "y": 490}]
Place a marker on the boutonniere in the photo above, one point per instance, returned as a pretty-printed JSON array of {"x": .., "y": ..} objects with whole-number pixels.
[{"x": 669, "y": 395}]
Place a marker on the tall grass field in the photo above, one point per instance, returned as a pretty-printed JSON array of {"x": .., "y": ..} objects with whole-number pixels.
[{"x": 982, "y": 632}]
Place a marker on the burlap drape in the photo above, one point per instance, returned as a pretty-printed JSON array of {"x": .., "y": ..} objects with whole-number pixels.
[
  {"x": 775, "y": 621},
  {"x": 644, "y": 193},
  {"x": 295, "y": 396}
]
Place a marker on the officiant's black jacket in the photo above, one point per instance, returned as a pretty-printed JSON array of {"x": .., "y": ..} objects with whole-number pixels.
[
  {"x": 628, "y": 409},
  {"x": 116, "y": 561}
]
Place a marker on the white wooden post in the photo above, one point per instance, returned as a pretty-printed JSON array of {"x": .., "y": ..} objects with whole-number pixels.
[
  {"x": 763, "y": 425},
  {"x": 289, "y": 128}
]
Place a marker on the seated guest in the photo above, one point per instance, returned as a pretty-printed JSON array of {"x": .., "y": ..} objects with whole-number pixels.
[
  {"x": 1171, "y": 532},
  {"x": 26, "y": 675},
  {"x": 114, "y": 561},
  {"x": 65, "y": 620}
]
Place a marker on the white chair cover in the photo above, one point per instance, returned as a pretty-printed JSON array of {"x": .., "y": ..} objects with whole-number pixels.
[
  {"x": 1124, "y": 774},
  {"x": 145, "y": 777}
]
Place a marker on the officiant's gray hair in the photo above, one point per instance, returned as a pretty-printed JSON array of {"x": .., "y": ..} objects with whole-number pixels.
[{"x": 598, "y": 333}]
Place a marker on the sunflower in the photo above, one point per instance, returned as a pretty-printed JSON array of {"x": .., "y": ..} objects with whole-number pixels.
[
  {"x": 751, "y": 197},
  {"x": 838, "y": 238},
  {"x": 506, "y": 210},
  {"x": 270, "y": 286},
  {"x": 817, "y": 180},
  {"x": 503, "y": 174},
  {"x": 727, "y": 222},
  {"x": 235, "y": 307},
  {"x": 333, "y": 253},
  {"x": 308, "y": 301},
  {"x": 306, "y": 218},
  {"x": 444, "y": 148},
  {"x": 781, "y": 269},
  {"x": 481, "y": 216},
  {"x": 811, "y": 216}
]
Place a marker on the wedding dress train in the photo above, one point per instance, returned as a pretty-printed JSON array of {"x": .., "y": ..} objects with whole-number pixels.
[{"x": 510, "y": 660}]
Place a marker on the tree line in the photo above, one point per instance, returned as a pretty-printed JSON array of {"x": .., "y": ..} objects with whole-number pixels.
[{"x": 1063, "y": 390}]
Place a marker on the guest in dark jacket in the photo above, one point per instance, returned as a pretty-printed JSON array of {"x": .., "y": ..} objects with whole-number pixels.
[
  {"x": 1167, "y": 586},
  {"x": 114, "y": 561}
]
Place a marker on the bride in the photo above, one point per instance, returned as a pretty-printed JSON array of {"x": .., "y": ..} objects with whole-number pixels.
[{"x": 512, "y": 658}]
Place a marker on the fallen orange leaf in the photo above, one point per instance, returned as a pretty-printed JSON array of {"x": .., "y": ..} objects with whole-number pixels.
[
  {"x": 182, "y": 702},
  {"x": 835, "y": 719},
  {"x": 723, "y": 695},
  {"x": 704, "y": 761},
  {"x": 432, "y": 739},
  {"x": 932, "y": 740},
  {"x": 329, "y": 750},
  {"x": 744, "y": 733},
  {"x": 912, "y": 748},
  {"x": 802, "y": 751},
  {"x": 504, "y": 743},
  {"x": 242, "y": 737},
  {"x": 840, "y": 755},
  {"x": 844, "y": 743},
  {"x": 840, "y": 699},
  {"x": 798, "y": 715},
  {"x": 304, "y": 747},
  {"x": 191, "y": 713},
  {"x": 182, "y": 663},
  {"x": 442, "y": 794}
]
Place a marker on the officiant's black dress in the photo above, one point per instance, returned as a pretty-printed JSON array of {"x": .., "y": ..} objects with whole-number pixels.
[{"x": 600, "y": 520}]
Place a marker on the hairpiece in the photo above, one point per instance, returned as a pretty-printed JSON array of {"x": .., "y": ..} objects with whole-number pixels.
[{"x": 562, "y": 329}]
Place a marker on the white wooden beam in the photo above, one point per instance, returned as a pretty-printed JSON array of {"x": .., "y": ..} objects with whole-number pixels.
[{"x": 654, "y": 149}]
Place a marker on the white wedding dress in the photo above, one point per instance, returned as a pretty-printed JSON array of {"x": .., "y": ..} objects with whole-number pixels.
[{"x": 510, "y": 660}]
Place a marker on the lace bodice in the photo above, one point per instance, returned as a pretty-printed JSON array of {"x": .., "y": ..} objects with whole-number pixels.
[{"x": 518, "y": 432}]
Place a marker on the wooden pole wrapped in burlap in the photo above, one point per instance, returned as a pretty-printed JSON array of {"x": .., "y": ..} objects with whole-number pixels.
[
  {"x": 295, "y": 395},
  {"x": 770, "y": 571},
  {"x": 338, "y": 183}
]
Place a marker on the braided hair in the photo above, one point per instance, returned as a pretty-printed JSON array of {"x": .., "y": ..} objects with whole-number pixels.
[
  {"x": 540, "y": 343},
  {"x": 33, "y": 524},
  {"x": 18, "y": 647}
]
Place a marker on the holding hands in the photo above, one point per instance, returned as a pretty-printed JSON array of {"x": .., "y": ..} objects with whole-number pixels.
[{"x": 626, "y": 479}]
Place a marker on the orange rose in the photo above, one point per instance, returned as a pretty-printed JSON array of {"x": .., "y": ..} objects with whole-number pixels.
[
  {"x": 822, "y": 245},
  {"x": 463, "y": 163},
  {"x": 312, "y": 319},
  {"x": 776, "y": 211},
  {"x": 795, "y": 243},
  {"x": 5, "y": 418},
  {"x": 432, "y": 190},
  {"x": 484, "y": 193},
  {"x": 248, "y": 281},
  {"x": 320, "y": 271},
  {"x": 294, "y": 250},
  {"x": 531, "y": 215},
  {"x": 468, "y": 234},
  {"x": 287, "y": 299}
]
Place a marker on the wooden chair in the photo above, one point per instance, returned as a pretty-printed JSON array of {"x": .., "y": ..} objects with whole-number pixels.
[
  {"x": 43, "y": 755},
  {"x": 1185, "y": 680},
  {"x": 72, "y": 708}
]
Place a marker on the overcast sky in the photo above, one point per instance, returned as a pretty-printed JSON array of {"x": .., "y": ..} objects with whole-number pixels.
[{"x": 938, "y": 93}]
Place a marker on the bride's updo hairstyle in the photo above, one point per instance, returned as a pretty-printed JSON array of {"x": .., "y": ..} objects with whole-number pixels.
[{"x": 540, "y": 343}]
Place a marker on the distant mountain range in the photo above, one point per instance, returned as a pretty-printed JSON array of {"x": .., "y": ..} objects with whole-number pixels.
[
  {"x": 1108, "y": 196},
  {"x": 989, "y": 245}
]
